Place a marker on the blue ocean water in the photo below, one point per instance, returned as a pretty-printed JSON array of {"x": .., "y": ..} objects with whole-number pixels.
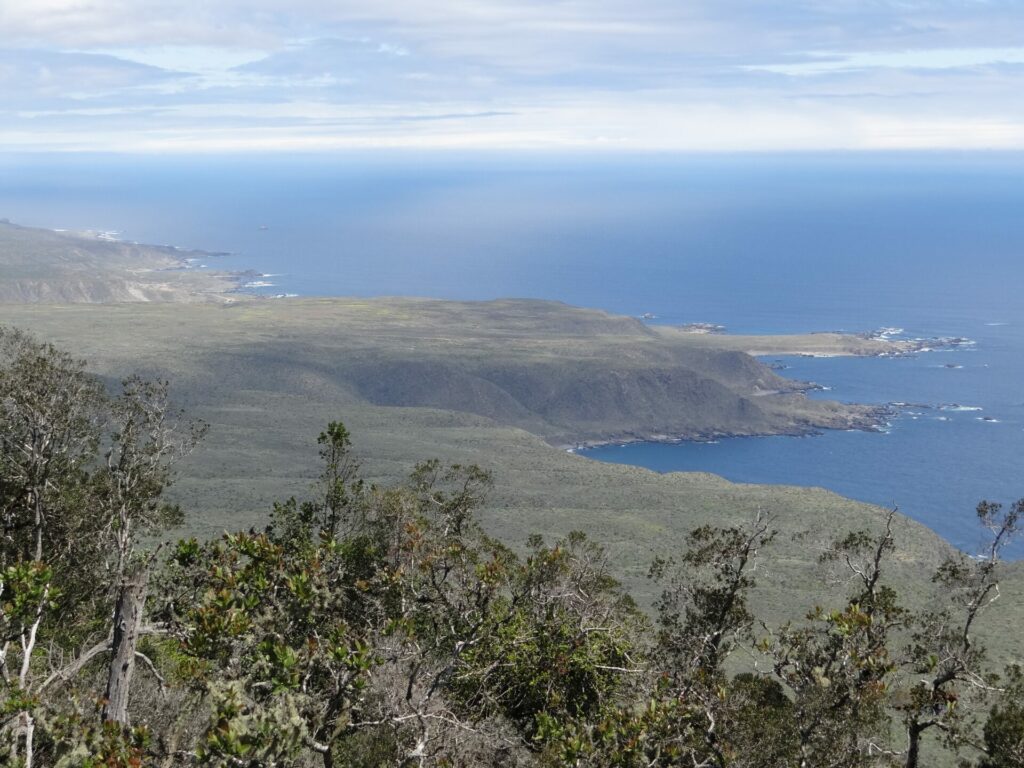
[{"x": 932, "y": 243}]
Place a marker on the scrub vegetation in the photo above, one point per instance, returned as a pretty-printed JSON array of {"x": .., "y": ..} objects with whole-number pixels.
[
  {"x": 369, "y": 624},
  {"x": 446, "y": 584}
]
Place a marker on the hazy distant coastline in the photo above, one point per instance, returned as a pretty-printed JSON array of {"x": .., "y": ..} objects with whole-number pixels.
[{"x": 62, "y": 267}]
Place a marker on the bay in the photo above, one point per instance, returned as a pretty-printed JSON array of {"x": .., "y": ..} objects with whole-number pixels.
[{"x": 932, "y": 243}]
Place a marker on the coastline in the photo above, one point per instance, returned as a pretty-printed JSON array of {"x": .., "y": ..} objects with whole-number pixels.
[
  {"x": 57, "y": 266},
  {"x": 187, "y": 260},
  {"x": 198, "y": 284},
  {"x": 874, "y": 420},
  {"x": 885, "y": 342},
  {"x": 338, "y": 354}
]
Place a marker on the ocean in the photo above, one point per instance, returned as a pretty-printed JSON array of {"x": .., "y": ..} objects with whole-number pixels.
[{"x": 930, "y": 243}]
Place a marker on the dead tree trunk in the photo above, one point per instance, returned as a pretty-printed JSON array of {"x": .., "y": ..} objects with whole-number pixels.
[{"x": 127, "y": 621}]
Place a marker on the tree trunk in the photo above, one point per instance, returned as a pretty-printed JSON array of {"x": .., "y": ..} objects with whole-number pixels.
[
  {"x": 30, "y": 734},
  {"x": 127, "y": 621},
  {"x": 914, "y": 745},
  {"x": 26, "y": 728}
]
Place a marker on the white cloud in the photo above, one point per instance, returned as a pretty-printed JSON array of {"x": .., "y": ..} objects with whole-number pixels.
[
  {"x": 637, "y": 74},
  {"x": 197, "y": 59},
  {"x": 818, "y": 63}
]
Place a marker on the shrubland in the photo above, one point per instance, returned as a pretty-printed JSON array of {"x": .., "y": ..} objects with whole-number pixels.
[{"x": 372, "y": 624}]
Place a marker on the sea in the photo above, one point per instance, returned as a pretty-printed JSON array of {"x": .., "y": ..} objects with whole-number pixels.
[{"x": 931, "y": 244}]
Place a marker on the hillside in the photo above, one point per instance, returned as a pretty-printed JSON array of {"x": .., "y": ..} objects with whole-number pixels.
[
  {"x": 41, "y": 265},
  {"x": 568, "y": 375},
  {"x": 268, "y": 375},
  {"x": 494, "y": 383}
]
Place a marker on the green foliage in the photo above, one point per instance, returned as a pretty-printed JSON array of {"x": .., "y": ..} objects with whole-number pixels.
[
  {"x": 376, "y": 625},
  {"x": 241, "y": 734},
  {"x": 836, "y": 667},
  {"x": 82, "y": 473},
  {"x": 560, "y": 642},
  {"x": 948, "y": 665},
  {"x": 383, "y": 624},
  {"x": 104, "y": 745},
  {"x": 702, "y": 612},
  {"x": 1004, "y": 729},
  {"x": 622, "y": 737}
]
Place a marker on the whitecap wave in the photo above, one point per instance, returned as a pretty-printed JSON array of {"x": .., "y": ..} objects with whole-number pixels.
[{"x": 887, "y": 333}]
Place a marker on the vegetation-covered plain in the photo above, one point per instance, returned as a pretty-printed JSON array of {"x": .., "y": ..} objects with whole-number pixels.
[{"x": 569, "y": 375}]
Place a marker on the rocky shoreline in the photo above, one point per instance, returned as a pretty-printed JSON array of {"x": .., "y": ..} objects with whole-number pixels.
[
  {"x": 884, "y": 342},
  {"x": 904, "y": 347},
  {"x": 872, "y": 419}
]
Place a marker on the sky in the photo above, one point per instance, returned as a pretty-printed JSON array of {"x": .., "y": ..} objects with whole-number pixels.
[{"x": 158, "y": 76}]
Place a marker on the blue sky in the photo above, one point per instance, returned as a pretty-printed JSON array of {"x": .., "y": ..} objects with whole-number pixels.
[{"x": 687, "y": 75}]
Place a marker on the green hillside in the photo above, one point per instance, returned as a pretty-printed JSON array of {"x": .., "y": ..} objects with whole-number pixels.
[{"x": 490, "y": 383}]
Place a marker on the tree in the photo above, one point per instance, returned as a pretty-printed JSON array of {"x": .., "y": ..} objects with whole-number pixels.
[
  {"x": 1004, "y": 729},
  {"x": 81, "y": 476},
  {"x": 691, "y": 713},
  {"x": 702, "y": 618},
  {"x": 944, "y": 659},
  {"x": 50, "y": 411},
  {"x": 560, "y": 643},
  {"x": 835, "y": 668},
  {"x": 301, "y": 634},
  {"x": 144, "y": 443},
  {"x": 384, "y": 620}
]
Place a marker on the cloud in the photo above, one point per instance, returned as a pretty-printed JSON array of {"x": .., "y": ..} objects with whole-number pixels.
[
  {"x": 341, "y": 59},
  {"x": 512, "y": 30},
  {"x": 572, "y": 73},
  {"x": 35, "y": 75}
]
